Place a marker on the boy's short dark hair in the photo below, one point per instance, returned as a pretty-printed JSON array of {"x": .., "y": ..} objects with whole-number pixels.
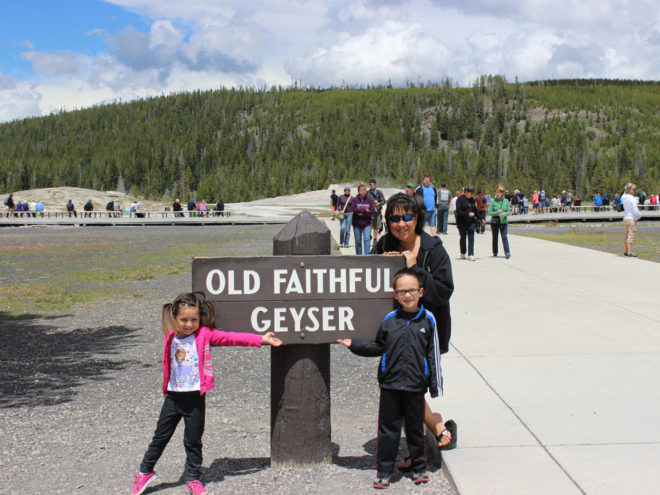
[{"x": 402, "y": 272}]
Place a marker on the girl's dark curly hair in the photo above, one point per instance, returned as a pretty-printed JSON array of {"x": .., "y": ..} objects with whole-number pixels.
[{"x": 191, "y": 300}]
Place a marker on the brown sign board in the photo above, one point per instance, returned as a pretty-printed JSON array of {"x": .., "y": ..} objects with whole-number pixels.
[{"x": 302, "y": 299}]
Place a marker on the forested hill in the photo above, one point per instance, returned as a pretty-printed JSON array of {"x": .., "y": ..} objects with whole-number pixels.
[{"x": 245, "y": 144}]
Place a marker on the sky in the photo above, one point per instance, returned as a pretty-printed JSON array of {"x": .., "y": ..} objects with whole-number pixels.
[{"x": 69, "y": 54}]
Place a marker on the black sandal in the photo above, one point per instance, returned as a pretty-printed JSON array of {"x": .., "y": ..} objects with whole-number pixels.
[{"x": 452, "y": 429}]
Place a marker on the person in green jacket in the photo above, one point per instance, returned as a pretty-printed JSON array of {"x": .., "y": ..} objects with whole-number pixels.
[{"x": 499, "y": 209}]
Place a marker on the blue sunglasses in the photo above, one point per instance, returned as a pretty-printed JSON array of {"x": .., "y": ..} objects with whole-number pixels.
[{"x": 406, "y": 218}]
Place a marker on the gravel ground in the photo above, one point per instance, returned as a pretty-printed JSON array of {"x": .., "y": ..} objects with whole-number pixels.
[{"x": 80, "y": 396}]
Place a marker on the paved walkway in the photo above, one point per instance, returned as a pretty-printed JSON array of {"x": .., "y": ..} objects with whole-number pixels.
[{"x": 553, "y": 372}]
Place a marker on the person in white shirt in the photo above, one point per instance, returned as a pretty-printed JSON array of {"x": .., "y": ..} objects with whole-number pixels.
[{"x": 631, "y": 215}]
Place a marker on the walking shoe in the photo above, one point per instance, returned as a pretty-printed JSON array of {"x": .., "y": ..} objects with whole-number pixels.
[
  {"x": 508, "y": 255},
  {"x": 141, "y": 482},
  {"x": 494, "y": 256},
  {"x": 462, "y": 256},
  {"x": 472, "y": 258},
  {"x": 381, "y": 482},
  {"x": 419, "y": 478},
  {"x": 631, "y": 255},
  {"x": 195, "y": 487}
]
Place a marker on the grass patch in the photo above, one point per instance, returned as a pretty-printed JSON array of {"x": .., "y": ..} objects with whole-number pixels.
[{"x": 646, "y": 246}]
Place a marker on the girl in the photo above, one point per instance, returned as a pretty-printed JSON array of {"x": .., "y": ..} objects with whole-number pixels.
[{"x": 187, "y": 376}]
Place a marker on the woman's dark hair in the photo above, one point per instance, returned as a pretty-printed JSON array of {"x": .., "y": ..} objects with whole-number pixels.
[
  {"x": 192, "y": 300},
  {"x": 407, "y": 204}
]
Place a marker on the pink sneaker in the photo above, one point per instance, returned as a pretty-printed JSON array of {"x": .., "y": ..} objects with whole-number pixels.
[
  {"x": 195, "y": 487},
  {"x": 141, "y": 482}
]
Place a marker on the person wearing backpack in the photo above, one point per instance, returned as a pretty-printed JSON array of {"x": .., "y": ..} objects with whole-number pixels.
[{"x": 444, "y": 199}]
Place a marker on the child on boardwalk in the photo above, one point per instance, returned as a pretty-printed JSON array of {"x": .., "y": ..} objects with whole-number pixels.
[
  {"x": 187, "y": 376},
  {"x": 409, "y": 364}
]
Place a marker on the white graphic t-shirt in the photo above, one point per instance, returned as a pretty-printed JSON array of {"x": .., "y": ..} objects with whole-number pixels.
[{"x": 184, "y": 365}]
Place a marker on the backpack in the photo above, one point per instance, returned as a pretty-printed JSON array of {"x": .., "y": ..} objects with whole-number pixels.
[{"x": 7, "y": 201}]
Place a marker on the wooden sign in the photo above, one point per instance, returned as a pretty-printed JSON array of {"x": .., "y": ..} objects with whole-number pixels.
[{"x": 303, "y": 299}]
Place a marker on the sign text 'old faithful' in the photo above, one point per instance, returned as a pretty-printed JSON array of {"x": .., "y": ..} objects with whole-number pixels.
[{"x": 310, "y": 299}]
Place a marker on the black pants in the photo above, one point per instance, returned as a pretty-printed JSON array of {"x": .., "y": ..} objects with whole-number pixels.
[
  {"x": 191, "y": 406},
  {"x": 395, "y": 406},
  {"x": 466, "y": 231}
]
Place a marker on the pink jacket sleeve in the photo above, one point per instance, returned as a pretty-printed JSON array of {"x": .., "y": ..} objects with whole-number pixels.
[{"x": 221, "y": 338}]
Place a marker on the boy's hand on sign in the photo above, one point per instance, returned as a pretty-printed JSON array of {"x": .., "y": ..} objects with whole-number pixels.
[
  {"x": 270, "y": 339},
  {"x": 345, "y": 342}
]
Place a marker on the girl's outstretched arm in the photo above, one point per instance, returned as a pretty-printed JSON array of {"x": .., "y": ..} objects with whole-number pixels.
[{"x": 270, "y": 339}]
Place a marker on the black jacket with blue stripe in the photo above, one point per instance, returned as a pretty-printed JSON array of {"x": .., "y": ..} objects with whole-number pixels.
[{"x": 410, "y": 356}]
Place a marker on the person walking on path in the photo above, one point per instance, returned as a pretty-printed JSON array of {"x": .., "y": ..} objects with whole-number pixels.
[
  {"x": 409, "y": 365},
  {"x": 344, "y": 206},
  {"x": 499, "y": 210},
  {"x": 333, "y": 203},
  {"x": 466, "y": 212},
  {"x": 631, "y": 216},
  {"x": 482, "y": 207},
  {"x": 377, "y": 218},
  {"x": 363, "y": 208},
  {"x": 428, "y": 193},
  {"x": 187, "y": 375},
  {"x": 444, "y": 200},
  {"x": 426, "y": 255}
]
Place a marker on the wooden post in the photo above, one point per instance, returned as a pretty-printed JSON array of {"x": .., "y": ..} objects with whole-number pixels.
[{"x": 300, "y": 432}]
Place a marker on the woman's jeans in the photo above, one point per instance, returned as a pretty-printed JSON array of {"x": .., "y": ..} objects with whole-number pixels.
[
  {"x": 362, "y": 235},
  {"x": 497, "y": 229},
  {"x": 345, "y": 229},
  {"x": 466, "y": 231}
]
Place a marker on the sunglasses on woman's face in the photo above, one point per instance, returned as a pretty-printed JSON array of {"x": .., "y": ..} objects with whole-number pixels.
[{"x": 406, "y": 218}]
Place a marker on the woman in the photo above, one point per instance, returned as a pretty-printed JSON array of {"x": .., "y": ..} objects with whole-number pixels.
[
  {"x": 466, "y": 213},
  {"x": 499, "y": 210},
  {"x": 631, "y": 215},
  {"x": 343, "y": 205},
  {"x": 404, "y": 234},
  {"x": 363, "y": 207}
]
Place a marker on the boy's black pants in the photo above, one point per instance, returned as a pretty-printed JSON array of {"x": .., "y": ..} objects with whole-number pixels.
[
  {"x": 395, "y": 406},
  {"x": 191, "y": 406}
]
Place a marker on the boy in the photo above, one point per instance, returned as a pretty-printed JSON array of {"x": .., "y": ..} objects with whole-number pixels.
[{"x": 410, "y": 362}]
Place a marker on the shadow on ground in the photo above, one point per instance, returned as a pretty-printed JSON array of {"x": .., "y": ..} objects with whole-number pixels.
[{"x": 43, "y": 366}]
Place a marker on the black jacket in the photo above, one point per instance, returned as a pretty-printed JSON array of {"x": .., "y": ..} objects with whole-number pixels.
[
  {"x": 410, "y": 356},
  {"x": 434, "y": 269},
  {"x": 463, "y": 208}
]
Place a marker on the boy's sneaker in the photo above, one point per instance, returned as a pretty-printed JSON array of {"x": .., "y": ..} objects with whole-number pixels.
[
  {"x": 419, "y": 478},
  {"x": 381, "y": 481},
  {"x": 141, "y": 482},
  {"x": 195, "y": 487}
]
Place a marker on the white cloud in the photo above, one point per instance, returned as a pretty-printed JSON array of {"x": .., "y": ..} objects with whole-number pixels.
[{"x": 199, "y": 44}]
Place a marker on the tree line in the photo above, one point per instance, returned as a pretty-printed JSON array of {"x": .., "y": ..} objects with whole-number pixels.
[{"x": 246, "y": 143}]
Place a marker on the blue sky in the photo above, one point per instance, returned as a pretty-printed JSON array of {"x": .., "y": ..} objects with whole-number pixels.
[
  {"x": 54, "y": 25},
  {"x": 67, "y": 54}
]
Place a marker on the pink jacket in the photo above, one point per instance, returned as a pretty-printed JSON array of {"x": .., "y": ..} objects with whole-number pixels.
[{"x": 204, "y": 339}]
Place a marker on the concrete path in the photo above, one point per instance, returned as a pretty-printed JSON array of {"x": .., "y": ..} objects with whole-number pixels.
[{"x": 553, "y": 373}]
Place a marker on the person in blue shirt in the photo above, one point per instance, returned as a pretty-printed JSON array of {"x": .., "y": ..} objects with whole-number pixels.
[{"x": 428, "y": 192}]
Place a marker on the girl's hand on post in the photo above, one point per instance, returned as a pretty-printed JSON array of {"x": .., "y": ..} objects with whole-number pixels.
[
  {"x": 345, "y": 342},
  {"x": 270, "y": 339}
]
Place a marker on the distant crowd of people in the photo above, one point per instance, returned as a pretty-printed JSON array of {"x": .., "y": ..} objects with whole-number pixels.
[{"x": 198, "y": 208}]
